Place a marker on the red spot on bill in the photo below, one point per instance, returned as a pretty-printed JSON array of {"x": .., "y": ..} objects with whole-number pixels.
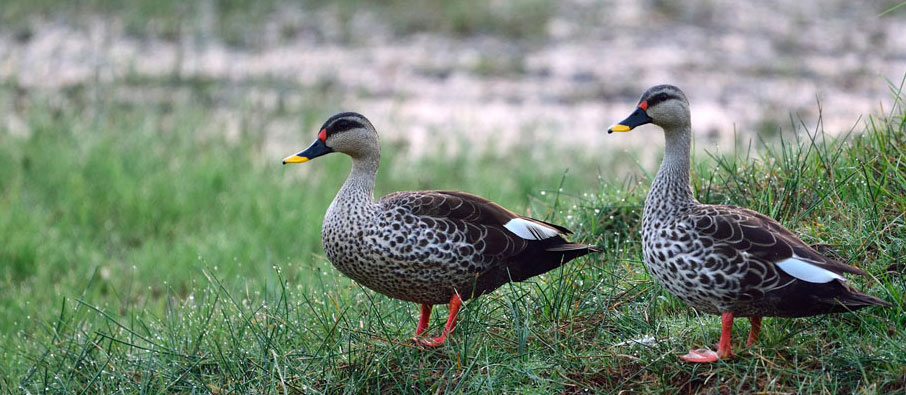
[
  {"x": 644, "y": 105},
  {"x": 322, "y": 135}
]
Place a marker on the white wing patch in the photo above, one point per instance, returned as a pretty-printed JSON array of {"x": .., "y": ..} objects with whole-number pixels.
[
  {"x": 530, "y": 230},
  {"x": 805, "y": 271}
]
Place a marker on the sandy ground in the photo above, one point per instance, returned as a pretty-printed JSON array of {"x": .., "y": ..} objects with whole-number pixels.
[{"x": 742, "y": 64}]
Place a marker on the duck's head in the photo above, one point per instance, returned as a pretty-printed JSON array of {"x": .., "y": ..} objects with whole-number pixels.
[
  {"x": 347, "y": 132},
  {"x": 662, "y": 105}
]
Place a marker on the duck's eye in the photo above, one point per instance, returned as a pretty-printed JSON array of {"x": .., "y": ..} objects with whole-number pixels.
[
  {"x": 344, "y": 125},
  {"x": 658, "y": 98}
]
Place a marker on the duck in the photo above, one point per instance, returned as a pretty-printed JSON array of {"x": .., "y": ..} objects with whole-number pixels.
[
  {"x": 428, "y": 247},
  {"x": 723, "y": 259}
]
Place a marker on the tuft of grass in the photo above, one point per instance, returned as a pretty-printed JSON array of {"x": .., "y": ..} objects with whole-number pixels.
[{"x": 144, "y": 254}]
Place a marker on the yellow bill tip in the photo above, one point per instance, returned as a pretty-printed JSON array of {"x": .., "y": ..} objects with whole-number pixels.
[
  {"x": 619, "y": 128},
  {"x": 295, "y": 159}
]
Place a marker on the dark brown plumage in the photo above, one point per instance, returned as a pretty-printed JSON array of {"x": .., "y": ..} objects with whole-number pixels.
[
  {"x": 428, "y": 247},
  {"x": 496, "y": 254},
  {"x": 754, "y": 244}
]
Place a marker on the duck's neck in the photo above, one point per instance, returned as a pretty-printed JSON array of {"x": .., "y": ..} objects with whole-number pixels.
[
  {"x": 359, "y": 186},
  {"x": 670, "y": 188}
]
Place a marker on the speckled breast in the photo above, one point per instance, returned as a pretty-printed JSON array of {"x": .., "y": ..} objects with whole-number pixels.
[
  {"x": 676, "y": 269},
  {"x": 686, "y": 265},
  {"x": 400, "y": 257}
]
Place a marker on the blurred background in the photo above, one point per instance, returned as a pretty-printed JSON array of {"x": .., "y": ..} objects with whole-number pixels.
[
  {"x": 429, "y": 72},
  {"x": 140, "y": 141}
]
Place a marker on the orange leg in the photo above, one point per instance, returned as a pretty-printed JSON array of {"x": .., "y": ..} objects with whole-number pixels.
[
  {"x": 423, "y": 319},
  {"x": 753, "y": 333},
  {"x": 724, "y": 347},
  {"x": 455, "y": 304}
]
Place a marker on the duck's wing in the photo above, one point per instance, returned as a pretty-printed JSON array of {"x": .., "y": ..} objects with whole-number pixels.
[
  {"x": 499, "y": 237},
  {"x": 481, "y": 220},
  {"x": 776, "y": 261},
  {"x": 760, "y": 236}
]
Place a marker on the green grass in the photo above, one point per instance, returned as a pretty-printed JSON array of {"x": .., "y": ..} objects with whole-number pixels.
[
  {"x": 246, "y": 23},
  {"x": 142, "y": 254}
]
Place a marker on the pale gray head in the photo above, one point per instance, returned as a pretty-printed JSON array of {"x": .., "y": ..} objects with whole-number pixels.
[
  {"x": 662, "y": 105},
  {"x": 348, "y": 132}
]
